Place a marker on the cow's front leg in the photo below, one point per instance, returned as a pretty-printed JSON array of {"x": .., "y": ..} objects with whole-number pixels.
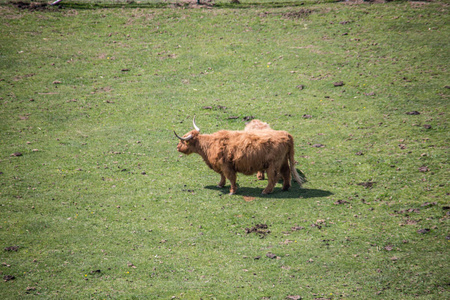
[
  {"x": 286, "y": 174},
  {"x": 222, "y": 181}
]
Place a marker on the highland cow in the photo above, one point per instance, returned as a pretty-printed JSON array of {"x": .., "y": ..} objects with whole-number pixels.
[{"x": 247, "y": 152}]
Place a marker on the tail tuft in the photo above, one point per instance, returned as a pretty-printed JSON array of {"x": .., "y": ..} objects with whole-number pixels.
[{"x": 300, "y": 180}]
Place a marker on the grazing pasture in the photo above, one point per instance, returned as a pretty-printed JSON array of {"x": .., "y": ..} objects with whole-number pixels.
[{"x": 96, "y": 202}]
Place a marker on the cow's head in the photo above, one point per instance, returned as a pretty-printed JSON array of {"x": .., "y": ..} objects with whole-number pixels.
[{"x": 188, "y": 142}]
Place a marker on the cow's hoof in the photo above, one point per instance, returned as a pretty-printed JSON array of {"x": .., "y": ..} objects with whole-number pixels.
[
  {"x": 265, "y": 193},
  {"x": 220, "y": 186},
  {"x": 233, "y": 192}
]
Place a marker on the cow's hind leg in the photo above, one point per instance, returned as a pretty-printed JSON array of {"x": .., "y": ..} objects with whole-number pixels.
[
  {"x": 286, "y": 174},
  {"x": 272, "y": 178}
]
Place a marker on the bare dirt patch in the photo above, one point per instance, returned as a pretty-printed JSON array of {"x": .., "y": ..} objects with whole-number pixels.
[
  {"x": 12, "y": 248},
  {"x": 367, "y": 185},
  {"x": 261, "y": 229},
  {"x": 300, "y": 14},
  {"x": 249, "y": 198},
  {"x": 34, "y": 6}
]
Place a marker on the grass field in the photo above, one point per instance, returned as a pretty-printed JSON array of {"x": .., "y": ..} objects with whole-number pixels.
[{"x": 96, "y": 203}]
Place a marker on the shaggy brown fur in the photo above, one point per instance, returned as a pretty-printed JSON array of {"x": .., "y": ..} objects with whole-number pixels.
[
  {"x": 256, "y": 124},
  {"x": 246, "y": 152}
]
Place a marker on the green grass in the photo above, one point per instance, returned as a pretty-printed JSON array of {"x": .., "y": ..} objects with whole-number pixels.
[{"x": 91, "y": 97}]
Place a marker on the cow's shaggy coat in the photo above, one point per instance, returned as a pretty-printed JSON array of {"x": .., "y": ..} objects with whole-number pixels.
[
  {"x": 246, "y": 152},
  {"x": 256, "y": 124}
]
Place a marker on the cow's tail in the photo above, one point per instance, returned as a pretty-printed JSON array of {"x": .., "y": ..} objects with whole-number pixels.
[{"x": 300, "y": 180}]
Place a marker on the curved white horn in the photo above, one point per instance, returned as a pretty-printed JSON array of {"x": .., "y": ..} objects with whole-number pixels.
[
  {"x": 195, "y": 126},
  {"x": 182, "y": 138}
]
